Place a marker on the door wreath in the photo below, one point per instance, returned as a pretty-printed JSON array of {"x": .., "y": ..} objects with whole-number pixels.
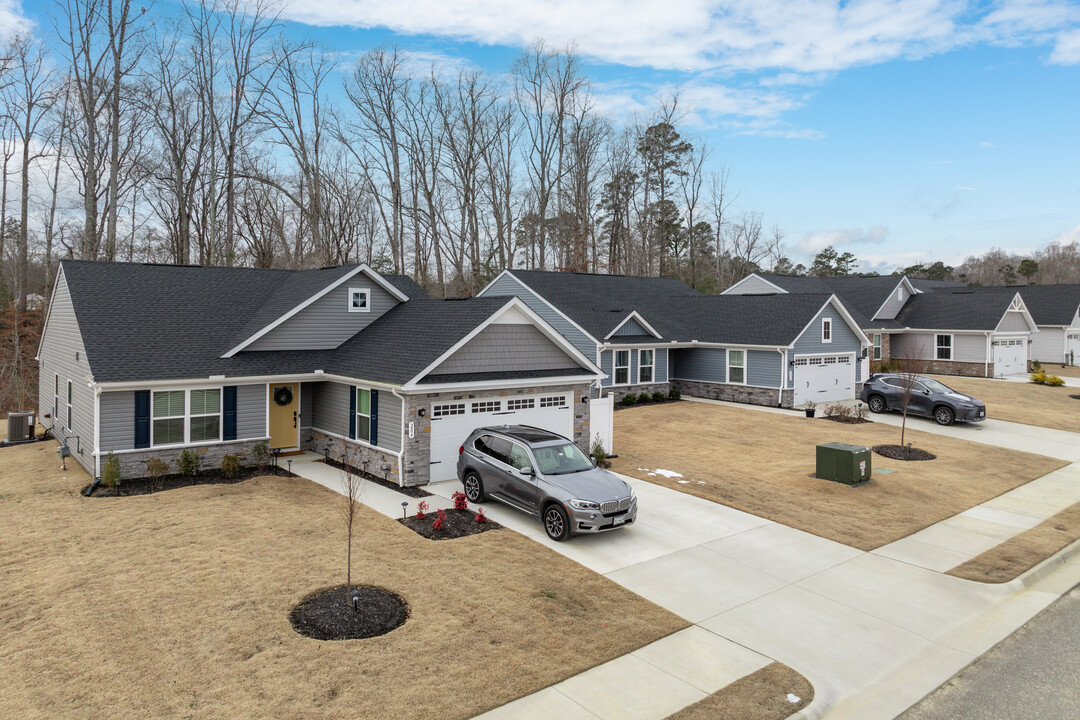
[{"x": 283, "y": 395}]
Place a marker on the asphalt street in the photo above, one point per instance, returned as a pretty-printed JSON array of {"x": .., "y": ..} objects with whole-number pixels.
[{"x": 1034, "y": 674}]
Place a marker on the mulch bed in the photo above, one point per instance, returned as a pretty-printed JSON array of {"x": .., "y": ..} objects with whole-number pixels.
[
  {"x": 148, "y": 485},
  {"x": 901, "y": 452},
  {"x": 458, "y": 523},
  {"x": 847, "y": 420},
  {"x": 329, "y": 614},
  {"x": 620, "y": 406},
  {"x": 414, "y": 492}
]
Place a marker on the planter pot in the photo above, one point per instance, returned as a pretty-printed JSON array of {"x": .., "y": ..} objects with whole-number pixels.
[{"x": 811, "y": 412}]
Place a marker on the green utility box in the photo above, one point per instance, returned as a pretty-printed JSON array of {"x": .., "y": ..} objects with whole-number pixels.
[{"x": 843, "y": 463}]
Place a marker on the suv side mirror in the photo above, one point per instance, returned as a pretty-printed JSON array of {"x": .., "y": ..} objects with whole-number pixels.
[{"x": 527, "y": 470}]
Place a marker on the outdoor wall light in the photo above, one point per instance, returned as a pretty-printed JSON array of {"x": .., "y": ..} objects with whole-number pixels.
[
  {"x": 584, "y": 399},
  {"x": 421, "y": 412}
]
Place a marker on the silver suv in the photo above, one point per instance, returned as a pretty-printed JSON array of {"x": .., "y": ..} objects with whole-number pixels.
[{"x": 547, "y": 476}]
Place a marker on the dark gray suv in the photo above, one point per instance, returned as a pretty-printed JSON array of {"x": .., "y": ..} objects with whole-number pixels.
[
  {"x": 547, "y": 476},
  {"x": 929, "y": 397}
]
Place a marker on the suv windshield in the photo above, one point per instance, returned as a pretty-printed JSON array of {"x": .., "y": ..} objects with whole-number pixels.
[
  {"x": 935, "y": 386},
  {"x": 561, "y": 459}
]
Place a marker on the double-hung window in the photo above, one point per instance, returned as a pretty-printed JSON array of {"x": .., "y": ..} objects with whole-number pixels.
[
  {"x": 168, "y": 425},
  {"x": 826, "y": 330},
  {"x": 205, "y": 412},
  {"x": 622, "y": 367},
  {"x": 645, "y": 366},
  {"x": 943, "y": 346},
  {"x": 68, "y": 404},
  {"x": 877, "y": 346},
  {"x": 736, "y": 367},
  {"x": 363, "y": 414}
]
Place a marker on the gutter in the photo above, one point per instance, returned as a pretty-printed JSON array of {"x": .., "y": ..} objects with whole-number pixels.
[{"x": 401, "y": 452}]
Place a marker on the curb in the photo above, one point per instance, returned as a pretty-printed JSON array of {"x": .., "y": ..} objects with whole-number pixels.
[{"x": 1031, "y": 576}]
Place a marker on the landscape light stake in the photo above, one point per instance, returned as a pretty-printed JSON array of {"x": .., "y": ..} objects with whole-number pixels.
[
  {"x": 356, "y": 601},
  {"x": 290, "y": 465},
  {"x": 404, "y": 505}
]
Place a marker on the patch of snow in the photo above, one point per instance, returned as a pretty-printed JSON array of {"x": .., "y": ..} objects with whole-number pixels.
[
  {"x": 653, "y": 474},
  {"x": 793, "y": 698},
  {"x": 700, "y": 482},
  {"x": 684, "y": 482},
  {"x": 644, "y": 469},
  {"x": 668, "y": 473}
]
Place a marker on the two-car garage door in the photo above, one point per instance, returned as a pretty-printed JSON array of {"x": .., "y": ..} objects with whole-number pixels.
[
  {"x": 824, "y": 378},
  {"x": 451, "y": 422}
]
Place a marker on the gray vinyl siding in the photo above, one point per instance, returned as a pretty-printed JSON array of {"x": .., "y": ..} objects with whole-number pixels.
[
  {"x": 753, "y": 285},
  {"x": 703, "y": 364},
  {"x": 893, "y": 306},
  {"x": 607, "y": 366},
  {"x": 660, "y": 365},
  {"x": 61, "y": 342},
  {"x": 307, "y": 402},
  {"x": 507, "y": 348},
  {"x": 327, "y": 322},
  {"x": 631, "y": 327},
  {"x": 117, "y": 416},
  {"x": 251, "y": 411},
  {"x": 967, "y": 347},
  {"x": 763, "y": 368},
  {"x": 1013, "y": 322},
  {"x": 330, "y": 412},
  {"x": 844, "y": 339},
  {"x": 660, "y": 359},
  {"x": 1048, "y": 345},
  {"x": 509, "y": 286}
]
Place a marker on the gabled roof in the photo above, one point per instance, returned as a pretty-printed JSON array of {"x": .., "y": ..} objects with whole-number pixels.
[
  {"x": 1048, "y": 304},
  {"x": 924, "y": 285},
  {"x": 961, "y": 309},
  {"x": 406, "y": 284},
  {"x": 862, "y": 295},
  {"x": 598, "y": 303}
]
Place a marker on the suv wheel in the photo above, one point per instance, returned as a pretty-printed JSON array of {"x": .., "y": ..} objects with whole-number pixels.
[
  {"x": 474, "y": 487},
  {"x": 556, "y": 523},
  {"x": 876, "y": 403},
  {"x": 944, "y": 416}
]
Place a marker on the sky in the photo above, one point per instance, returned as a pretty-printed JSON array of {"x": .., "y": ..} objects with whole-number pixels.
[{"x": 900, "y": 130}]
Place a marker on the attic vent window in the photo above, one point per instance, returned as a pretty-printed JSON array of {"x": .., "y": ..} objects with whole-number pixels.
[{"x": 359, "y": 300}]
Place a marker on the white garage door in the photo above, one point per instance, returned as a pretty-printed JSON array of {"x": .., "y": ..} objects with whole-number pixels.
[
  {"x": 1010, "y": 356},
  {"x": 451, "y": 422},
  {"x": 1072, "y": 348},
  {"x": 824, "y": 378}
]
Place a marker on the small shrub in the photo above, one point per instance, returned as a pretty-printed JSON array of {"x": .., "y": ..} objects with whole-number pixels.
[
  {"x": 674, "y": 394},
  {"x": 480, "y": 516},
  {"x": 628, "y": 399},
  {"x": 1054, "y": 381},
  {"x": 839, "y": 411},
  {"x": 644, "y": 398},
  {"x": 658, "y": 396},
  {"x": 230, "y": 466},
  {"x": 1036, "y": 366},
  {"x": 156, "y": 467},
  {"x": 461, "y": 502},
  {"x": 1038, "y": 377},
  {"x": 421, "y": 510},
  {"x": 110, "y": 471},
  {"x": 260, "y": 453},
  {"x": 188, "y": 463},
  {"x": 599, "y": 455},
  {"x": 440, "y": 520}
]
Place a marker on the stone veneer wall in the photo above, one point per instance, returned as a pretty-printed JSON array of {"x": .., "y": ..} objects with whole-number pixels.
[
  {"x": 948, "y": 367},
  {"x": 380, "y": 463},
  {"x": 417, "y": 457},
  {"x": 734, "y": 393},
  {"x": 133, "y": 464},
  {"x": 623, "y": 390}
]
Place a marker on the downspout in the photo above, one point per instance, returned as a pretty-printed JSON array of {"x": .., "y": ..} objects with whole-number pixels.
[
  {"x": 783, "y": 377},
  {"x": 97, "y": 431},
  {"x": 401, "y": 452},
  {"x": 986, "y": 358}
]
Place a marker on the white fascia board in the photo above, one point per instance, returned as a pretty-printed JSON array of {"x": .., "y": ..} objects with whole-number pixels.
[
  {"x": 362, "y": 268},
  {"x": 1018, "y": 301},
  {"x": 513, "y": 303},
  {"x": 634, "y": 315},
  {"x": 239, "y": 380},
  {"x": 911, "y": 292},
  {"x": 48, "y": 313},
  {"x": 753, "y": 275},
  {"x": 835, "y": 302},
  {"x": 485, "y": 384},
  {"x": 691, "y": 344}
]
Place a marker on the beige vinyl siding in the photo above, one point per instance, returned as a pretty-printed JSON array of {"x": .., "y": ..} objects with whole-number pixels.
[
  {"x": 327, "y": 322},
  {"x": 507, "y": 348},
  {"x": 61, "y": 343}
]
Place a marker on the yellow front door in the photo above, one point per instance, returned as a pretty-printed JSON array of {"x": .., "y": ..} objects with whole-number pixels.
[{"x": 284, "y": 418}]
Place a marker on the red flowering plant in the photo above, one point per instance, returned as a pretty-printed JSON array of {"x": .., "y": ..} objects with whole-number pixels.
[
  {"x": 421, "y": 510},
  {"x": 460, "y": 501},
  {"x": 480, "y": 516},
  {"x": 440, "y": 519}
]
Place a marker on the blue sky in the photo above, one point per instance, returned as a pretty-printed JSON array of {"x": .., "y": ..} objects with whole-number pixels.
[{"x": 901, "y": 130}]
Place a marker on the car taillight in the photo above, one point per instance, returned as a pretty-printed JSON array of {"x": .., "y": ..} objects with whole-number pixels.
[{"x": 461, "y": 450}]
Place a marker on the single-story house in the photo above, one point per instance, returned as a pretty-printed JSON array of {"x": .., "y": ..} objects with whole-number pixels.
[
  {"x": 939, "y": 327},
  {"x": 144, "y": 361},
  {"x": 653, "y": 334},
  {"x": 1056, "y": 311}
]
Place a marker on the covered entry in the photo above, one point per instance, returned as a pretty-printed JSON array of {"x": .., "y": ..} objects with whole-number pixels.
[
  {"x": 451, "y": 422},
  {"x": 283, "y": 416},
  {"x": 824, "y": 378}
]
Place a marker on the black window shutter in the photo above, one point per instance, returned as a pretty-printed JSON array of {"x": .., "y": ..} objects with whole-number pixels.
[
  {"x": 352, "y": 413},
  {"x": 142, "y": 418},
  {"x": 374, "y": 440},
  {"x": 228, "y": 404}
]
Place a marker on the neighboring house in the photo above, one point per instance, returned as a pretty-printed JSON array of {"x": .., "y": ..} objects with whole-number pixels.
[
  {"x": 936, "y": 326},
  {"x": 1056, "y": 311},
  {"x": 653, "y": 334},
  {"x": 145, "y": 360}
]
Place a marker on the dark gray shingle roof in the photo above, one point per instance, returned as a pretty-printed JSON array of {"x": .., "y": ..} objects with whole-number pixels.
[
  {"x": 771, "y": 320},
  {"x": 963, "y": 309},
  {"x": 861, "y": 295},
  {"x": 1048, "y": 304}
]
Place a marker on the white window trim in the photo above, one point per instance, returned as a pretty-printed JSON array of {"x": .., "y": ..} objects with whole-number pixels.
[
  {"x": 937, "y": 346},
  {"x": 367, "y": 294},
  {"x": 826, "y": 323},
  {"x": 70, "y": 402},
  {"x": 651, "y": 366},
  {"x": 900, "y": 293},
  {"x": 877, "y": 347},
  {"x": 56, "y": 397},
  {"x": 187, "y": 416},
  {"x": 615, "y": 367},
  {"x": 727, "y": 365},
  {"x": 357, "y": 391}
]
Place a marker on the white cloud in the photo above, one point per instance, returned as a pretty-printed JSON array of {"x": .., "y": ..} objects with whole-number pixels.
[
  {"x": 801, "y": 38},
  {"x": 12, "y": 20},
  {"x": 812, "y": 243},
  {"x": 1069, "y": 236},
  {"x": 1067, "y": 49}
]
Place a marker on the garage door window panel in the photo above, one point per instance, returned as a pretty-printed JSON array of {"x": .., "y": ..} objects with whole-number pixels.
[
  {"x": 944, "y": 347},
  {"x": 448, "y": 410},
  {"x": 736, "y": 367}
]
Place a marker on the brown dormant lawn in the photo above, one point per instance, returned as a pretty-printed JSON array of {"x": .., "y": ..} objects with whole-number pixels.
[
  {"x": 1027, "y": 403},
  {"x": 761, "y": 695},
  {"x": 176, "y": 605},
  {"x": 1071, "y": 371},
  {"x": 761, "y": 462}
]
